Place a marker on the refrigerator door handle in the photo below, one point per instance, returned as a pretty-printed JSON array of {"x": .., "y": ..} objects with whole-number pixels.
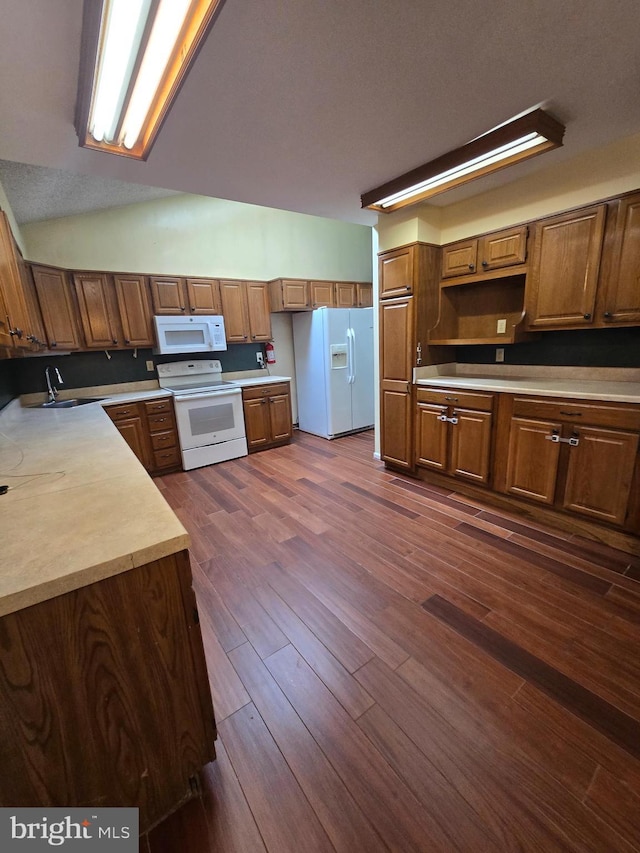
[
  {"x": 349, "y": 357},
  {"x": 353, "y": 355}
]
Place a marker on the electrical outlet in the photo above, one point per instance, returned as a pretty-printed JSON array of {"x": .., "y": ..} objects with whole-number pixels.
[
  {"x": 501, "y": 327},
  {"x": 499, "y": 353},
  {"x": 150, "y": 366},
  {"x": 260, "y": 359}
]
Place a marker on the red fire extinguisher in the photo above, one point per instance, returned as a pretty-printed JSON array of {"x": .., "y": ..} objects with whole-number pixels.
[{"x": 271, "y": 353}]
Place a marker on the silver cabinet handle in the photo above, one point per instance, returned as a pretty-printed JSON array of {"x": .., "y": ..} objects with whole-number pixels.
[
  {"x": 574, "y": 441},
  {"x": 444, "y": 418}
]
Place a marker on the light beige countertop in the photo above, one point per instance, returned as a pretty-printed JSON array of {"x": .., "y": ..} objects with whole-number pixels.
[
  {"x": 80, "y": 507},
  {"x": 603, "y": 384}
]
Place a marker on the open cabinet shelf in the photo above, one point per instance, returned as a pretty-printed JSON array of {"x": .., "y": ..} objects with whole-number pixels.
[{"x": 470, "y": 312}]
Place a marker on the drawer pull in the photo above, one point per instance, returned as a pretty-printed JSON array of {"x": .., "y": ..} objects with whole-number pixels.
[
  {"x": 451, "y": 399},
  {"x": 453, "y": 420},
  {"x": 572, "y": 414}
]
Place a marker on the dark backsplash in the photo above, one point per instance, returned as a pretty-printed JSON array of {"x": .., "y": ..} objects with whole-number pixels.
[
  {"x": 8, "y": 388},
  {"x": 575, "y": 348},
  {"x": 84, "y": 369}
]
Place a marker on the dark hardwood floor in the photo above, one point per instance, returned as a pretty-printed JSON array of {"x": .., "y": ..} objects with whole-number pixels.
[{"x": 397, "y": 667}]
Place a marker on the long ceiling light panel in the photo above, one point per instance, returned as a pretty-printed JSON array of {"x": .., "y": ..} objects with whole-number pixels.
[
  {"x": 517, "y": 140},
  {"x": 135, "y": 56}
]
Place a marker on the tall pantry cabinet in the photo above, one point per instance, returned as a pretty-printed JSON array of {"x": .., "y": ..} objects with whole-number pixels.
[{"x": 408, "y": 290}]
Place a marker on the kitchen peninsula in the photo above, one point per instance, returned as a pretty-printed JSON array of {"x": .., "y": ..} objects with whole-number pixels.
[{"x": 104, "y": 696}]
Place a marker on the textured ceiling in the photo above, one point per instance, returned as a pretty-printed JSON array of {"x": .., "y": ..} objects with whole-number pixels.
[
  {"x": 36, "y": 193},
  {"x": 303, "y": 105}
]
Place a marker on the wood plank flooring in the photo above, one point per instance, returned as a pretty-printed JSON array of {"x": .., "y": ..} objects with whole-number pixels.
[{"x": 397, "y": 667}]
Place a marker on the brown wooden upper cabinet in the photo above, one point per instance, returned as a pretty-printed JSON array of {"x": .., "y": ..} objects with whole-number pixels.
[
  {"x": 289, "y": 294},
  {"x": 176, "y": 295},
  {"x": 364, "y": 294},
  {"x": 245, "y": 307},
  {"x": 59, "y": 312},
  {"x": 346, "y": 296},
  {"x": 322, "y": 294},
  {"x": 561, "y": 286},
  {"x": 16, "y": 326},
  {"x": 98, "y": 310},
  {"x": 489, "y": 252},
  {"x": 396, "y": 272},
  {"x": 621, "y": 289},
  {"x": 135, "y": 310}
]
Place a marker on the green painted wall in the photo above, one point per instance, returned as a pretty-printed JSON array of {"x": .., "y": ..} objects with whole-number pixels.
[{"x": 201, "y": 236}]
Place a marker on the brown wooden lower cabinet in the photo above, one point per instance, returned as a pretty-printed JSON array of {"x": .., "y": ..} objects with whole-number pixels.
[
  {"x": 267, "y": 415},
  {"x": 577, "y": 460},
  {"x": 104, "y": 696},
  {"x": 149, "y": 428}
]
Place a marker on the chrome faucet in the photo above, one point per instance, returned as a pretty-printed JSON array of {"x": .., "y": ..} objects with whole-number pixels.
[{"x": 53, "y": 391}]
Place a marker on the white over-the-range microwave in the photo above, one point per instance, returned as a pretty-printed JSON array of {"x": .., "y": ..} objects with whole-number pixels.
[{"x": 204, "y": 333}]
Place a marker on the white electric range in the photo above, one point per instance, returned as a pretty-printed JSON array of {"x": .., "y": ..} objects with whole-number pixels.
[{"x": 208, "y": 412}]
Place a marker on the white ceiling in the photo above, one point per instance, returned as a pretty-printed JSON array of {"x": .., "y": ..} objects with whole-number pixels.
[{"x": 304, "y": 105}]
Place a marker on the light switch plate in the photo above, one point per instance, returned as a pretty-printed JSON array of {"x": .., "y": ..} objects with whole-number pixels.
[
  {"x": 150, "y": 366},
  {"x": 499, "y": 353},
  {"x": 501, "y": 327}
]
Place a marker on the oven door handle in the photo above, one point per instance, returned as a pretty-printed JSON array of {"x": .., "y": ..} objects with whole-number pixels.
[{"x": 211, "y": 395}]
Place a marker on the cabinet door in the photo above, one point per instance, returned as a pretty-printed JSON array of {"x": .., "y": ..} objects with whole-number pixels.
[
  {"x": 257, "y": 297},
  {"x": 168, "y": 295},
  {"x": 345, "y": 294},
  {"x": 295, "y": 294},
  {"x": 364, "y": 294},
  {"x": 203, "y": 295},
  {"x": 58, "y": 309},
  {"x": 322, "y": 294},
  {"x": 471, "y": 445},
  {"x": 600, "y": 473},
  {"x": 396, "y": 436},
  {"x": 395, "y": 270},
  {"x": 561, "y": 288},
  {"x": 15, "y": 326},
  {"x": 459, "y": 258},
  {"x": 135, "y": 310},
  {"x": 281, "y": 427},
  {"x": 134, "y": 433},
  {"x": 95, "y": 311},
  {"x": 256, "y": 421},
  {"x": 622, "y": 293},
  {"x": 532, "y": 460},
  {"x": 503, "y": 248},
  {"x": 431, "y": 437},
  {"x": 396, "y": 362},
  {"x": 236, "y": 322}
]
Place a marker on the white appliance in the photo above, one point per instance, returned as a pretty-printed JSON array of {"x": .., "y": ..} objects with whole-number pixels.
[
  {"x": 334, "y": 354},
  {"x": 209, "y": 412},
  {"x": 179, "y": 335}
]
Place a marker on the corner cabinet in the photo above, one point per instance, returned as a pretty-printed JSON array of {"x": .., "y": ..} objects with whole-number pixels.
[
  {"x": 408, "y": 285},
  {"x": 59, "y": 312},
  {"x": 267, "y": 415}
]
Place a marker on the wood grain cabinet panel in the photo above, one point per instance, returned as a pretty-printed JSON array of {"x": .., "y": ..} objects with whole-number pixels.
[
  {"x": 460, "y": 258},
  {"x": 503, "y": 248},
  {"x": 134, "y": 306},
  {"x": 364, "y": 294},
  {"x": 258, "y": 314},
  {"x": 346, "y": 296},
  {"x": 104, "y": 695},
  {"x": 150, "y": 430},
  {"x": 322, "y": 294},
  {"x": 396, "y": 272},
  {"x": 396, "y": 365},
  {"x": 16, "y": 327},
  {"x": 621, "y": 301},
  {"x": 397, "y": 431},
  {"x": 600, "y": 473},
  {"x": 234, "y": 309},
  {"x": 203, "y": 296},
  {"x": 267, "y": 415},
  {"x": 532, "y": 460},
  {"x": 289, "y": 294},
  {"x": 431, "y": 437},
  {"x": 168, "y": 295},
  {"x": 561, "y": 288},
  {"x": 96, "y": 310},
  {"x": 471, "y": 445},
  {"x": 59, "y": 312}
]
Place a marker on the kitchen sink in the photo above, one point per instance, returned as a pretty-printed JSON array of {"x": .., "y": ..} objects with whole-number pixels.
[{"x": 67, "y": 404}]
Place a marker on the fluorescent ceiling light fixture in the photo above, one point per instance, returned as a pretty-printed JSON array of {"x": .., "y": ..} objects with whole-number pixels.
[
  {"x": 135, "y": 56},
  {"x": 512, "y": 142}
]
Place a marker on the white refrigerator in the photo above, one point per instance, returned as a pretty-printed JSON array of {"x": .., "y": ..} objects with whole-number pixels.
[{"x": 333, "y": 349}]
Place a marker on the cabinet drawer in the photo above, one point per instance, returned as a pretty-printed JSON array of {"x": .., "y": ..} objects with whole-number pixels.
[
  {"x": 168, "y": 458},
  {"x": 453, "y": 397},
  {"x": 161, "y": 422},
  {"x": 578, "y": 412},
  {"x": 156, "y": 407},
  {"x": 162, "y": 440},
  {"x": 122, "y": 411},
  {"x": 258, "y": 391}
]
